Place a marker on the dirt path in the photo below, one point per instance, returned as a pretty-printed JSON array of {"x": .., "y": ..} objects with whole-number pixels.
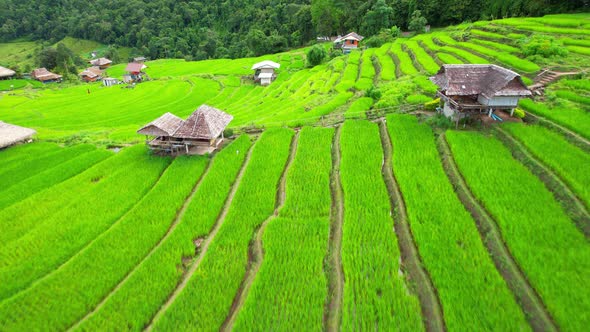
[
  {"x": 333, "y": 267},
  {"x": 177, "y": 219},
  {"x": 527, "y": 297},
  {"x": 573, "y": 137},
  {"x": 89, "y": 244},
  {"x": 205, "y": 245},
  {"x": 256, "y": 250},
  {"x": 431, "y": 308},
  {"x": 573, "y": 207}
]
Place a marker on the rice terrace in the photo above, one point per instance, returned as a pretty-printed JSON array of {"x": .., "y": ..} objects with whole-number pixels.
[{"x": 421, "y": 178}]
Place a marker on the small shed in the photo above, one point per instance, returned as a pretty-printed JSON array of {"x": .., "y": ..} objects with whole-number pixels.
[
  {"x": 201, "y": 133},
  {"x": 348, "y": 42},
  {"x": 91, "y": 74},
  {"x": 45, "y": 76},
  {"x": 265, "y": 72},
  {"x": 101, "y": 63},
  {"x": 11, "y": 134},
  {"x": 478, "y": 89},
  {"x": 135, "y": 72},
  {"x": 109, "y": 81},
  {"x": 6, "y": 73}
]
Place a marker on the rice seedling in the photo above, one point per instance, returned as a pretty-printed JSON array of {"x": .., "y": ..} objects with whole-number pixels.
[
  {"x": 583, "y": 84},
  {"x": 75, "y": 224},
  {"x": 575, "y": 42},
  {"x": 130, "y": 305},
  {"x": 469, "y": 57},
  {"x": 498, "y": 46},
  {"x": 405, "y": 62},
  {"x": 505, "y": 58},
  {"x": 448, "y": 59},
  {"x": 572, "y": 96},
  {"x": 358, "y": 108},
  {"x": 579, "y": 49},
  {"x": 423, "y": 58},
  {"x": 574, "y": 119},
  {"x": 375, "y": 294},
  {"x": 556, "y": 152},
  {"x": 295, "y": 245},
  {"x": 529, "y": 217},
  {"x": 96, "y": 269},
  {"x": 387, "y": 65},
  {"x": 367, "y": 68},
  {"x": 219, "y": 275},
  {"x": 463, "y": 273},
  {"x": 486, "y": 34}
]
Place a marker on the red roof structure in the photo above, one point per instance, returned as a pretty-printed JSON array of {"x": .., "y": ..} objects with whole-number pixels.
[{"x": 134, "y": 67}]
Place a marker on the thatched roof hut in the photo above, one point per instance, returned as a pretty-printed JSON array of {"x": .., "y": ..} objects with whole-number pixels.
[
  {"x": 44, "y": 75},
  {"x": 6, "y": 73},
  {"x": 102, "y": 63},
  {"x": 166, "y": 125},
  {"x": 205, "y": 123},
  {"x": 11, "y": 134},
  {"x": 91, "y": 74}
]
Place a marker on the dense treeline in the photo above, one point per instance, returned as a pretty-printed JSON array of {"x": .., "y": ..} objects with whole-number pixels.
[{"x": 237, "y": 28}]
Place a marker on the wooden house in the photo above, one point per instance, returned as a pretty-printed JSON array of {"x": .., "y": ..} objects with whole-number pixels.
[
  {"x": 348, "y": 42},
  {"x": 91, "y": 74},
  {"x": 265, "y": 72},
  {"x": 6, "y": 74},
  {"x": 201, "y": 133},
  {"x": 45, "y": 76},
  {"x": 135, "y": 72},
  {"x": 478, "y": 89},
  {"x": 11, "y": 134},
  {"x": 102, "y": 63}
]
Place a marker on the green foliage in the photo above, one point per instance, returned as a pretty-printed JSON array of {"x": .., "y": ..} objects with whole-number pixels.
[
  {"x": 417, "y": 99},
  {"x": 373, "y": 93},
  {"x": 405, "y": 62},
  {"x": 519, "y": 113},
  {"x": 417, "y": 22},
  {"x": 359, "y": 107},
  {"x": 545, "y": 46},
  {"x": 377, "y": 18},
  {"x": 517, "y": 197},
  {"x": 575, "y": 119},
  {"x": 506, "y": 58},
  {"x": 423, "y": 58},
  {"x": 432, "y": 105},
  {"x": 448, "y": 59},
  {"x": 439, "y": 220},
  {"x": 316, "y": 55},
  {"x": 572, "y": 96},
  {"x": 370, "y": 256}
]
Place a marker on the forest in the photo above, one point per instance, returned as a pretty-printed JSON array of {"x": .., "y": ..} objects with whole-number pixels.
[{"x": 197, "y": 30}]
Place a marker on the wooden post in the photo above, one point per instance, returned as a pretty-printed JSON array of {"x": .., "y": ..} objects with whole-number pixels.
[{"x": 512, "y": 112}]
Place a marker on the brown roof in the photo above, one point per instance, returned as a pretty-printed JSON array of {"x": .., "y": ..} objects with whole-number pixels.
[
  {"x": 165, "y": 125},
  {"x": 10, "y": 134},
  {"x": 488, "y": 80},
  {"x": 5, "y": 72},
  {"x": 100, "y": 62},
  {"x": 134, "y": 67},
  {"x": 43, "y": 74},
  {"x": 92, "y": 72},
  {"x": 205, "y": 123},
  {"x": 350, "y": 36}
]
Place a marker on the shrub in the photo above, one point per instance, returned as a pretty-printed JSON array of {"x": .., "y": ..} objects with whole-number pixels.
[
  {"x": 432, "y": 105},
  {"x": 519, "y": 113},
  {"x": 417, "y": 99},
  {"x": 316, "y": 55},
  {"x": 461, "y": 35},
  {"x": 374, "y": 93},
  {"x": 417, "y": 22},
  {"x": 544, "y": 46}
]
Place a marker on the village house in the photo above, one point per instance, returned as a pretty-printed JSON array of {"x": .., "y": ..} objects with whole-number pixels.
[
  {"x": 466, "y": 90},
  {"x": 91, "y": 74},
  {"x": 139, "y": 59},
  {"x": 6, "y": 74},
  {"x": 265, "y": 72},
  {"x": 201, "y": 133},
  {"x": 102, "y": 63},
  {"x": 135, "y": 72},
  {"x": 45, "y": 76},
  {"x": 11, "y": 134},
  {"x": 349, "y": 42}
]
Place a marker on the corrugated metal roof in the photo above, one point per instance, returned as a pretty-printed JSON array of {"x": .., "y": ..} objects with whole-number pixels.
[{"x": 266, "y": 64}]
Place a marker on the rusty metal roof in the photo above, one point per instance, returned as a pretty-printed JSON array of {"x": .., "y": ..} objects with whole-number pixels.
[{"x": 487, "y": 80}]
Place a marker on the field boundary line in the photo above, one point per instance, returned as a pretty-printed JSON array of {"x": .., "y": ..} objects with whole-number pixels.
[
  {"x": 333, "y": 260},
  {"x": 177, "y": 220},
  {"x": 205, "y": 247},
  {"x": 573, "y": 207},
  {"x": 573, "y": 137},
  {"x": 533, "y": 307},
  {"x": 85, "y": 247},
  {"x": 256, "y": 248},
  {"x": 433, "y": 316}
]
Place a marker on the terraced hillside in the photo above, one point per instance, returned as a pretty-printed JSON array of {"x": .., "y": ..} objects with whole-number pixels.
[
  {"x": 342, "y": 214},
  {"x": 326, "y": 94}
]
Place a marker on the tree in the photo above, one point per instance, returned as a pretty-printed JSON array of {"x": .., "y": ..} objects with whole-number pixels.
[
  {"x": 316, "y": 55},
  {"x": 324, "y": 16},
  {"x": 378, "y": 18},
  {"x": 417, "y": 22},
  {"x": 112, "y": 54},
  {"x": 47, "y": 58}
]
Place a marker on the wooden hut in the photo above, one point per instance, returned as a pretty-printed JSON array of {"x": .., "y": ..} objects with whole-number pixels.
[
  {"x": 102, "y": 63},
  {"x": 201, "y": 133},
  {"x": 135, "y": 72},
  {"x": 45, "y": 76},
  {"x": 91, "y": 74},
  {"x": 6, "y": 73},
  {"x": 348, "y": 42},
  {"x": 478, "y": 89},
  {"x": 11, "y": 134},
  {"x": 265, "y": 72}
]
